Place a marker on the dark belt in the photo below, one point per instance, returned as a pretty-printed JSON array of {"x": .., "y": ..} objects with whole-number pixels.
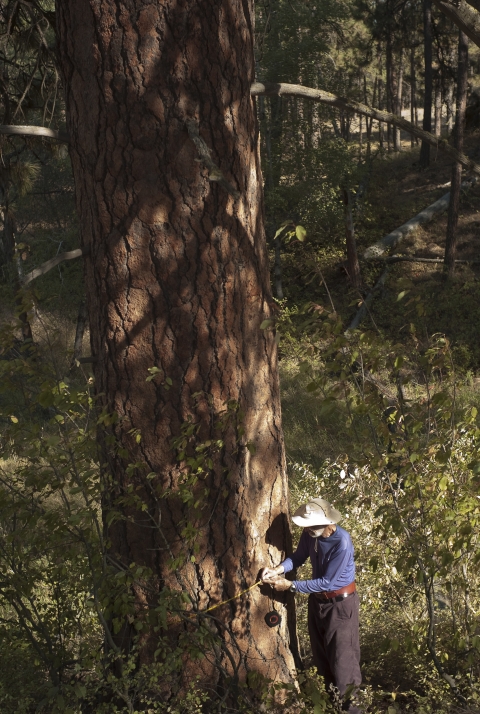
[{"x": 336, "y": 595}]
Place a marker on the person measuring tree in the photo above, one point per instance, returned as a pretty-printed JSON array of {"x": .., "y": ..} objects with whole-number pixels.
[{"x": 333, "y": 603}]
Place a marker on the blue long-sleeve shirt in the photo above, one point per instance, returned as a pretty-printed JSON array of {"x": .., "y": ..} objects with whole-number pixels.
[{"x": 333, "y": 565}]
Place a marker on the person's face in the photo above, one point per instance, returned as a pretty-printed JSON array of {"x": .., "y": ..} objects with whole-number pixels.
[{"x": 316, "y": 531}]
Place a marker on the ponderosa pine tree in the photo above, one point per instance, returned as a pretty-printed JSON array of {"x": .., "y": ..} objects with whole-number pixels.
[{"x": 164, "y": 147}]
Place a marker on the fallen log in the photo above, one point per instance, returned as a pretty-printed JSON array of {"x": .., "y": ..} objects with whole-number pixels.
[
  {"x": 281, "y": 89},
  {"x": 414, "y": 259},
  {"x": 393, "y": 239}
]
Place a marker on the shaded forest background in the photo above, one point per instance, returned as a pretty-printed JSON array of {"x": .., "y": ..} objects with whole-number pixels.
[{"x": 381, "y": 420}]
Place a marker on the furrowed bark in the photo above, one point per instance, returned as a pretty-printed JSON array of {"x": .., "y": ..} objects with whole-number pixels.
[
  {"x": 177, "y": 278},
  {"x": 319, "y": 95},
  {"x": 79, "y": 332}
]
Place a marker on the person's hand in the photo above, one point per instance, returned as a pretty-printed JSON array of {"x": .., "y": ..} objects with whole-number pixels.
[
  {"x": 269, "y": 574},
  {"x": 280, "y": 584}
]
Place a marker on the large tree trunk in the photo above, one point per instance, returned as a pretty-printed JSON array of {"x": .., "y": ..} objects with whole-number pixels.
[
  {"x": 164, "y": 151},
  {"x": 462, "y": 83},
  {"x": 427, "y": 100}
]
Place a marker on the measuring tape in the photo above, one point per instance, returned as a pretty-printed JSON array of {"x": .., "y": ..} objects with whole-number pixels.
[
  {"x": 224, "y": 602},
  {"x": 272, "y": 618}
]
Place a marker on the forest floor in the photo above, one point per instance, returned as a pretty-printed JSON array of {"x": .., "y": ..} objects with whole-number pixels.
[{"x": 397, "y": 191}]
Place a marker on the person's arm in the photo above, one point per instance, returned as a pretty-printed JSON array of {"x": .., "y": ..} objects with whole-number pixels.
[
  {"x": 299, "y": 557},
  {"x": 295, "y": 561},
  {"x": 335, "y": 569}
]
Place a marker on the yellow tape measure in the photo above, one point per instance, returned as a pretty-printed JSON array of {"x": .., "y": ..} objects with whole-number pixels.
[{"x": 224, "y": 602}]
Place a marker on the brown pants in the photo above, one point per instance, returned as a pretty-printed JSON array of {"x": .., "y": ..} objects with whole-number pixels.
[{"x": 333, "y": 630}]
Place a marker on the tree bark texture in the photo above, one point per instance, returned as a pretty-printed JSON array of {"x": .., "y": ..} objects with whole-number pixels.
[
  {"x": 453, "y": 208},
  {"x": 177, "y": 278},
  {"x": 427, "y": 101},
  {"x": 79, "y": 332}
]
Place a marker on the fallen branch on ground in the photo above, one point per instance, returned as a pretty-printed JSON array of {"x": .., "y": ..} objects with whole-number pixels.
[
  {"x": 393, "y": 239},
  {"x": 414, "y": 259}
]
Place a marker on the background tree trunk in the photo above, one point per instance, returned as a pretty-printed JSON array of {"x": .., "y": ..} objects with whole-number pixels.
[
  {"x": 438, "y": 105},
  {"x": 427, "y": 102},
  {"x": 397, "y": 143},
  {"x": 353, "y": 265},
  {"x": 177, "y": 278},
  {"x": 452, "y": 221}
]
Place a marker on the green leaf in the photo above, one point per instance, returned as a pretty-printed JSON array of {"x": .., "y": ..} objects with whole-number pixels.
[
  {"x": 301, "y": 233},
  {"x": 265, "y": 324},
  {"x": 401, "y": 295},
  {"x": 282, "y": 228}
]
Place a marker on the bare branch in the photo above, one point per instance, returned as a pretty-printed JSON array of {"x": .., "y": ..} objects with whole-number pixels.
[
  {"x": 319, "y": 95},
  {"x": 49, "y": 264},
  {"x": 16, "y": 130}
]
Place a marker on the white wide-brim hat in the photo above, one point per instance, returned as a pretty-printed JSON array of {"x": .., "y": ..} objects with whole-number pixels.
[{"x": 316, "y": 512}]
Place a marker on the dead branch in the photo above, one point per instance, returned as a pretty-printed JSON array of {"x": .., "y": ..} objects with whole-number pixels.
[
  {"x": 319, "y": 95},
  {"x": 16, "y": 130},
  {"x": 393, "y": 239},
  {"x": 52, "y": 263}
]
